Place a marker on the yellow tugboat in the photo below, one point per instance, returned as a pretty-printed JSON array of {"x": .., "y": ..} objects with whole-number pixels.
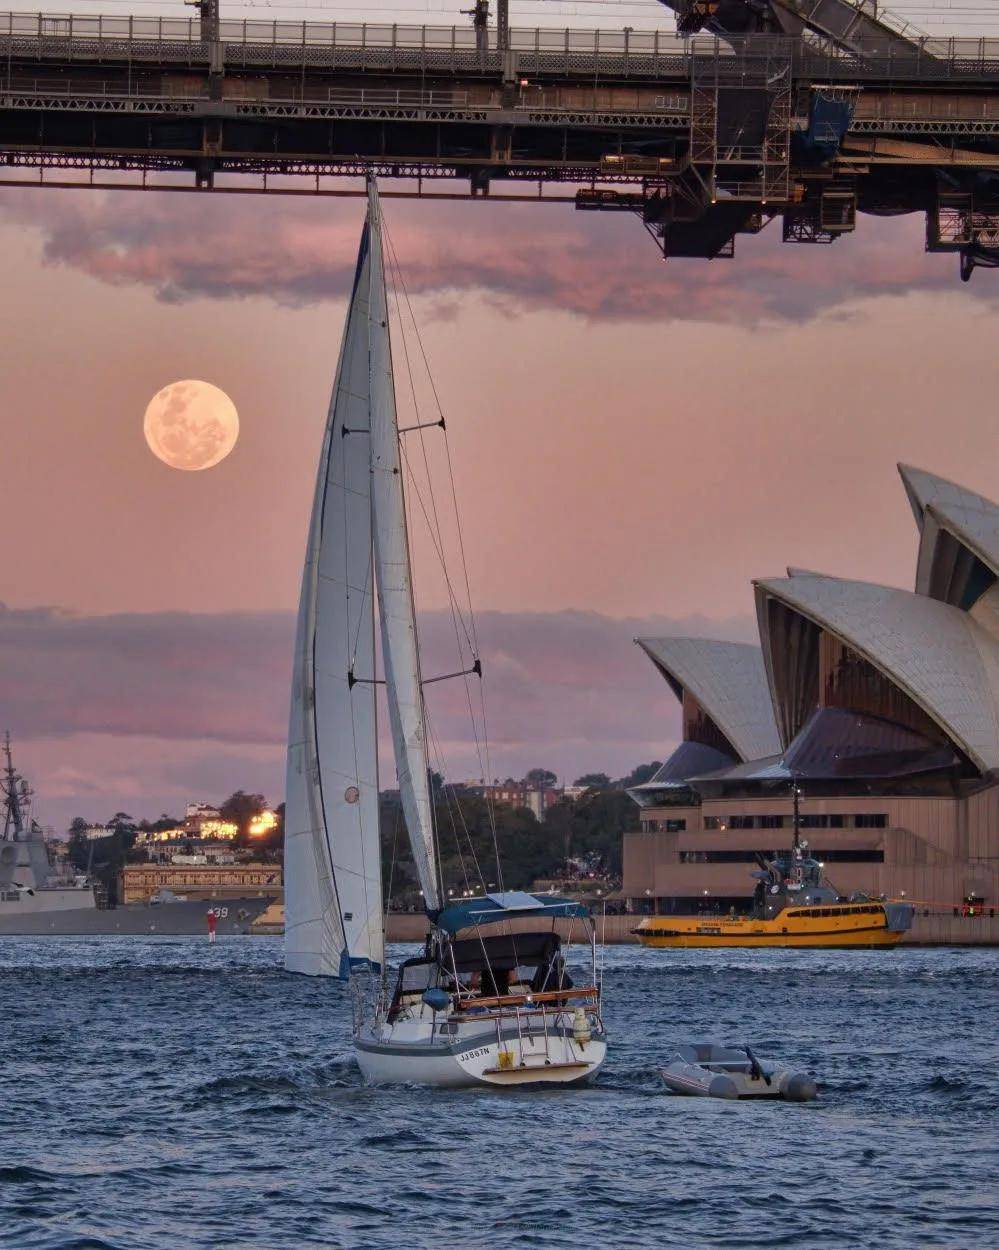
[{"x": 792, "y": 906}]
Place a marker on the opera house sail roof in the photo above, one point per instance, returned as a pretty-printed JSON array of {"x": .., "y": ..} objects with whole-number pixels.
[
  {"x": 818, "y": 634},
  {"x": 958, "y": 559},
  {"x": 727, "y": 713},
  {"x": 728, "y": 681},
  {"x": 853, "y": 681}
]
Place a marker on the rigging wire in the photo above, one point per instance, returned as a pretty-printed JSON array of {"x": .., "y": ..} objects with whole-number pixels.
[
  {"x": 481, "y": 744},
  {"x": 436, "y": 534},
  {"x": 453, "y": 806},
  {"x": 395, "y": 846},
  {"x": 434, "y": 527},
  {"x": 482, "y": 750}
]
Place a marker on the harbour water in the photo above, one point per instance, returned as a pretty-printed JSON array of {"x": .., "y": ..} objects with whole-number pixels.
[{"x": 162, "y": 1094}]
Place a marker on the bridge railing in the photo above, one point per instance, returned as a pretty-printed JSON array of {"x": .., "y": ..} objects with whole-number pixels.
[
  {"x": 539, "y": 49},
  {"x": 92, "y": 88},
  {"x": 370, "y": 35}
]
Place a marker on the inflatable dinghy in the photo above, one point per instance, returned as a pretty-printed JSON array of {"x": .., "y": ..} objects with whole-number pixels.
[{"x": 705, "y": 1070}]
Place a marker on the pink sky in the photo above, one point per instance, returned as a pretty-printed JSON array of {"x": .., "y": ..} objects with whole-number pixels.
[{"x": 631, "y": 439}]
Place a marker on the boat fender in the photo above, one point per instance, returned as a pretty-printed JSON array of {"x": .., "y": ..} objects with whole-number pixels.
[
  {"x": 580, "y": 1026},
  {"x": 722, "y": 1086},
  {"x": 437, "y": 999},
  {"x": 797, "y": 1087}
]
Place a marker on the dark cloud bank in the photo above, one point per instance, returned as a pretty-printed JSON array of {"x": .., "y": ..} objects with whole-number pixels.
[
  {"x": 566, "y": 689},
  {"x": 523, "y": 256}
]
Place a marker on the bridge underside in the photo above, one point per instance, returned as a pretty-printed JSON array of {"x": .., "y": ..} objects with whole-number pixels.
[{"x": 702, "y": 141}]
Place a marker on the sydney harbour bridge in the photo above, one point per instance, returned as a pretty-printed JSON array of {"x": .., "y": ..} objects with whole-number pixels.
[{"x": 741, "y": 112}]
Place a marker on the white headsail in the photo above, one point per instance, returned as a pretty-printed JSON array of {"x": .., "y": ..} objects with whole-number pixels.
[
  {"x": 332, "y": 875},
  {"x": 400, "y": 651}
]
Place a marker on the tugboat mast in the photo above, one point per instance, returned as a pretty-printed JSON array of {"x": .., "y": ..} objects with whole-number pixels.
[{"x": 796, "y": 794}]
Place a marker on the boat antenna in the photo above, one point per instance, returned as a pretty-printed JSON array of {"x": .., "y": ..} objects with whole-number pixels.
[{"x": 796, "y": 796}]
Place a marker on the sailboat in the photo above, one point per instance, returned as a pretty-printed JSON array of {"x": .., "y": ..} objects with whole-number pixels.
[{"x": 488, "y": 1001}]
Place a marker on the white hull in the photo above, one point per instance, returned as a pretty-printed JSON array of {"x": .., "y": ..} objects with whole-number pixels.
[{"x": 478, "y": 1058}]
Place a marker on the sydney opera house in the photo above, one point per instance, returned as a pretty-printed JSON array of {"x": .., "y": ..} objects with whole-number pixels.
[{"x": 881, "y": 705}]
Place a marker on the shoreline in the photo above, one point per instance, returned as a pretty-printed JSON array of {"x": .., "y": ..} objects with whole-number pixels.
[{"x": 935, "y": 930}]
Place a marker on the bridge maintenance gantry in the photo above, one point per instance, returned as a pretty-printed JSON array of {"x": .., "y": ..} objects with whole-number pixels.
[{"x": 810, "y": 111}]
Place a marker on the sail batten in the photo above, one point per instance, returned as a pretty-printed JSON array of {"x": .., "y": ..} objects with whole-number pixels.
[
  {"x": 393, "y": 578},
  {"x": 333, "y": 903}
]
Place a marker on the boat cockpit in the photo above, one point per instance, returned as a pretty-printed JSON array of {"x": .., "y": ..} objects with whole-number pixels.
[{"x": 502, "y": 969}]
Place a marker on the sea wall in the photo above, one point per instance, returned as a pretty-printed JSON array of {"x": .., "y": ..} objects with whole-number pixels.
[{"x": 933, "y": 930}]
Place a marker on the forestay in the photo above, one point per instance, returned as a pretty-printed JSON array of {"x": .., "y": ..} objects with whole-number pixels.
[{"x": 333, "y": 899}]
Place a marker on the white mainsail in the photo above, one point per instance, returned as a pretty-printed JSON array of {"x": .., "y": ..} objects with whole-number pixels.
[
  {"x": 393, "y": 577},
  {"x": 332, "y": 861}
]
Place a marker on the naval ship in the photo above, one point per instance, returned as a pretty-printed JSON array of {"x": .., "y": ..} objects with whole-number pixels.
[{"x": 39, "y": 898}]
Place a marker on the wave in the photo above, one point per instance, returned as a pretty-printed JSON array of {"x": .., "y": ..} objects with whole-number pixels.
[{"x": 20, "y": 1174}]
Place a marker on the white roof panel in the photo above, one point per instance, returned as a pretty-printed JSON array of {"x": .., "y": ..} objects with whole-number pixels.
[
  {"x": 728, "y": 680},
  {"x": 937, "y": 654}
]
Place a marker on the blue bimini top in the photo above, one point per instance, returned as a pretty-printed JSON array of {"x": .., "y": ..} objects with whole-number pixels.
[{"x": 511, "y": 905}]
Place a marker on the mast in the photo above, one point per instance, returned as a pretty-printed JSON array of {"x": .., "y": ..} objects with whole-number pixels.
[
  {"x": 393, "y": 578},
  {"x": 15, "y": 792},
  {"x": 333, "y": 892}
]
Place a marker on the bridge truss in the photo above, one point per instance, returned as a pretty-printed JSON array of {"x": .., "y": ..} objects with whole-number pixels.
[{"x": 704, "y": 137}]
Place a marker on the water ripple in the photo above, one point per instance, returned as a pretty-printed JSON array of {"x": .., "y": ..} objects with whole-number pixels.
[{"x": 168, "y": 1095}]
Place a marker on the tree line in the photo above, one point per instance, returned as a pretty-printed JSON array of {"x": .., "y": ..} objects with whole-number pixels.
[
  {"x": 472, "y": 835},
  {"x": 523, "y": 849}
]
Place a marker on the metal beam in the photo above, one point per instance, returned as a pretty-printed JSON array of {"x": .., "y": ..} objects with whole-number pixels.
[{"x": 711, "y": 138}]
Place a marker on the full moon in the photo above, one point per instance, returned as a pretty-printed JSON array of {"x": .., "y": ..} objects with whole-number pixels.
[{"x": 191, "y": 425}]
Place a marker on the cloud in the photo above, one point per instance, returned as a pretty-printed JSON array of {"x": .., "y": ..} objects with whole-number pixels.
[
  {"x": 599, "y": 266},
  {"x": 169, "y": 675},
  {"x": 145, "y": 711}
]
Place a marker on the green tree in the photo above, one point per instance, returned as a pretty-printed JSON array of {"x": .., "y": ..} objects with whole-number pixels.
[
  {"x": 639, "y": 775},
  {"x": 104, "y": 857},
  {"x": 593, "y": 824},
  {"x": 466, "y": 848},
  {"x": 240, "y": 808},
  {"x": 269, "y": 847},
  {"x": 79, "y": 847},
  {"x": 541, "y": 778},
  {"x": 595, "y": 781},
  {"x": 161, "y": 824}
]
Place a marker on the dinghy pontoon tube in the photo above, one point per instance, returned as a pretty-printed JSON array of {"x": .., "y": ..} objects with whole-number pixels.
[{"x": 704, "y": 1070}]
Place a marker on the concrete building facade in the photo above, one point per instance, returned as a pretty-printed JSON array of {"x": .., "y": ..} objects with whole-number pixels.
[{"x": 139, "y": 881}]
